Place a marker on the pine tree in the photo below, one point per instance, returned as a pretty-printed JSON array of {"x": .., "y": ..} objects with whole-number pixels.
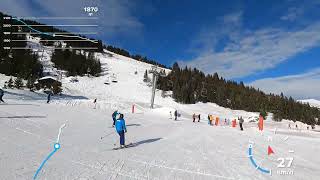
[
  {"x": 10, "y": 83},
  {"x": 163, "y": 94},
  {"x": 18, "y": 83},
  {"x": 56, "y": 88},
  {"x": 187, "y": 85},
  {"x": 30, "y": 83},
  {"x": 263, "y": 113}
]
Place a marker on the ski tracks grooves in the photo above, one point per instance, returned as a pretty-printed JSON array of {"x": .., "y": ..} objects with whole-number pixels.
[
  {"x": 108, "y": 172},
  {"x": 179, "y": 169},
  {"x": 116, "y": 175}
]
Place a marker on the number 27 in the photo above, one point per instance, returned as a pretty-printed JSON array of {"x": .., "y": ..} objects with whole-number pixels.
[{"x": 282, "y": 163}]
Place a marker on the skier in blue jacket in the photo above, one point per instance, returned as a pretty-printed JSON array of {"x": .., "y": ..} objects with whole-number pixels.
[
  {"x": 121, "y": 129},
  {"x": 114, "y": 117}
]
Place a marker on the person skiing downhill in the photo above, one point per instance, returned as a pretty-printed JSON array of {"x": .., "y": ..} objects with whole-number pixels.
[
  {"x": 210, "y": 118},
  {"x": 1, "y": 95},
  {"x": 194, "y": 117},
  {"x": 48, "y": 97},
  {"x": 175, "y": 114},
  {"x": 240, "y": 123},
  {"x": 121, "y": 130},
  {"x": 95, "y": 103},
  {"x": 114, "y": 117},
  {"x": 199, "y": 118}
]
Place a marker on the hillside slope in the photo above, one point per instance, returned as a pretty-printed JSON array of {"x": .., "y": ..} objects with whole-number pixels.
[{"x": 312, "y": 102}]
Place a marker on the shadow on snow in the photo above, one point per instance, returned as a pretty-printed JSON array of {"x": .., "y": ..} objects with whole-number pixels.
[{"x": 16, "y": 117}]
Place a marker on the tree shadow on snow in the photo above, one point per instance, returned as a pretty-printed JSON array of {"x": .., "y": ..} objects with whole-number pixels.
[
  {"x": 39, "y": 96},
  {"x": 66, "y": 96},
  {"x": 16, "y": 117},
  {"x": 15, "y": 104}
]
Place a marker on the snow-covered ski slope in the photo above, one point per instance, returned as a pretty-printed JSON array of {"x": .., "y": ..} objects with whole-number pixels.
[
  {"x": 163, "y": 148},
  {"x": 131, "y": 90}
]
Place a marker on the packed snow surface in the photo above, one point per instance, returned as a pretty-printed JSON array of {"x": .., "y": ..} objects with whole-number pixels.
[{"x": 163, "y": 148}]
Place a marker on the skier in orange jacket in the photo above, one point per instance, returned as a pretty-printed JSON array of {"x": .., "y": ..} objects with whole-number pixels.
[{"x": 217, "y": 121}]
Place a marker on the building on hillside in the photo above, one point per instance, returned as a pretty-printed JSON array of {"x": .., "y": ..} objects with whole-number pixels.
[{"x": 47, "y": 82}]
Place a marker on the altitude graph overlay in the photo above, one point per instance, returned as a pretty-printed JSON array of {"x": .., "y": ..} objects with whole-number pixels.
[{"x": 25, "y": 32}]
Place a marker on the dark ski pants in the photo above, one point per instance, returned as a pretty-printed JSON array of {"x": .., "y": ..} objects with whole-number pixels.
[
  {"x": 114, "y": 121},
  {"x": 241, "y": 128},
  {"x": 121, "y": 134},
  {"x": 1, "y": 98}
]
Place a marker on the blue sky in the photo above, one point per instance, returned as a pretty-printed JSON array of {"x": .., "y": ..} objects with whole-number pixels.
[{"x": 270, "y": 44}]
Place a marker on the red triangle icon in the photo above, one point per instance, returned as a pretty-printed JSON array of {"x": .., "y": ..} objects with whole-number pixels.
[{"x": 270, "y": 151}]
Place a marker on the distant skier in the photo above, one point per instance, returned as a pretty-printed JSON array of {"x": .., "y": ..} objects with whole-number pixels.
[
  {"x": 48, "y": 97},
  {"x": 114, "y": 117},
  {"x": 121, "y": 130},
  {"x": 289, "y": 126},
  {"x": 194, "y": 117},
  {"x": 199, "y": 118},
  {"x": 175, "y": 114},
  {"x": 1, "y": 95},
  {"x": 170, "y": 117},
  {"x": 241, "y": 123},
  {"x": 95, "y": 103},
  {"x": 209, "y": 119},
  {"x": 217, "y": 121}
]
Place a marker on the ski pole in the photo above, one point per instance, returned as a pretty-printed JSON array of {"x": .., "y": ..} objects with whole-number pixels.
[{"x": 106, "y": 135}]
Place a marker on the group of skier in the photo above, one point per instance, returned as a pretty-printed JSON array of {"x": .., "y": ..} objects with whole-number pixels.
[
  {"x": 175, "y": 115},
  {"x": 296, "y": 127},
  {"x": 216, "y": 121}
]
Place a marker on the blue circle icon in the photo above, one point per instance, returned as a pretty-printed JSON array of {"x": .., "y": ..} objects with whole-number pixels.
[{"x": 56, "y": 146}]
